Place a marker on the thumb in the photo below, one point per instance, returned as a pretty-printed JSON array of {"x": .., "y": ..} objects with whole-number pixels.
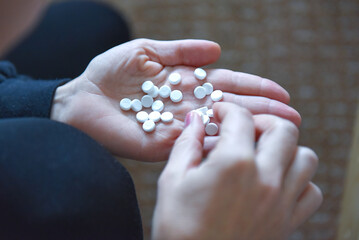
[
  {"x": 187, "y": 150},
  {"x": 185, "y": 52}
]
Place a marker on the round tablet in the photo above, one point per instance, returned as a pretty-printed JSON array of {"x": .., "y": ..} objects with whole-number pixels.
[
  {"x": 136, "y": 105},
  {"x": 147, "y": 86},
  {"x": 205, "y": 119},
  {"x": 154, "y": 92},
  {"x": 210, "y": 113},
  {"x": 125, "y": 104},
  {"x": 157, "y": 106},
  {"x": 142, "y": 116},
  {"x": 211, "y": 129},
  {"x": 208, "y": 87},
  {"x": 167, "y": 117},
  {"x": 176, "y": 96},
  {"x": 217, "y": 95},
  {"x": 174, "y": 78},
  {"x": 200, "y": 74},
  {"x": 149, "y": 126},
  {"x": 199, "y": 92},
  {"x": 202, "y": 110},
  {"x": 165, "y": 91},
  {"x": 154, "y": 116},
  {"x": 147, "y": 101}
]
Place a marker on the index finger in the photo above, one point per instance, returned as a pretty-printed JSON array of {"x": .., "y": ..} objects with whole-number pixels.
[{"x": 237, "y": 134}]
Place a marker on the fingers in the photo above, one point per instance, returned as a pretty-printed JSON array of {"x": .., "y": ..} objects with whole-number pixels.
[
  {"x": 263, "y": 105},
  {"x": 276, "y": 146},
  {"x": 236, "y": 140},
  {"x": 247, "y": 84},
  {"x": 300, "y": 173},
  {"x": 187, "y": 150},
  {"x": 308, "y": 203},
  {"x": 183, "y": 52},
  {"x": 209, "y": 143}
]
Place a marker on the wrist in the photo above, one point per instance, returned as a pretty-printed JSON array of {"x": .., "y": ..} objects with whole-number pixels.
[{"x": 62, "y": 101}]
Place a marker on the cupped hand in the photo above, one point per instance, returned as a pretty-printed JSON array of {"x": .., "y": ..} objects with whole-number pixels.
[
  {"x": 255, "y": 183},
  {"x": 91, "y": 101}
]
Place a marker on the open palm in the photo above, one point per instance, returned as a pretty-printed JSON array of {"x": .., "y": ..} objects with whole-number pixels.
[{"x": 118, "y": 73}]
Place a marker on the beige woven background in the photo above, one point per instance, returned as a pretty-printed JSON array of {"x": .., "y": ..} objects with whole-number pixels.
[{"x": 309, "y": 47}]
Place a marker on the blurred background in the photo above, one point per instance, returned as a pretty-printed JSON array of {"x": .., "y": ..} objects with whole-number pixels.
[{"x": 311, "y": 48}]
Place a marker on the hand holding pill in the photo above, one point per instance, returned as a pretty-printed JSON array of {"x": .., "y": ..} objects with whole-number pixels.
[
  {"x": 104, "y": 100},
  {"x": 254, "y": 184}
]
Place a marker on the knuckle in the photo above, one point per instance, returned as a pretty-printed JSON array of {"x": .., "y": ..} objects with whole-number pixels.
[
  {"x": 287, "y": 126},
  {"x": 270, "y": 191},
  {"x": 231, "y": 165},
  {"x": 245, "y": 164},
  {"x": 235, "y": 160},
  {"x": 310, "y": 156}
]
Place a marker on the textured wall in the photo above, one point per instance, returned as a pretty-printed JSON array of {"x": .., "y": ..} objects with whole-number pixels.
[{"x": 309, "y": 47}]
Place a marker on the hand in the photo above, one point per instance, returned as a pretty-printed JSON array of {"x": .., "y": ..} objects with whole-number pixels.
[
  {"x": 91, "y": 101},
  {"x": 240, "y": 191}
]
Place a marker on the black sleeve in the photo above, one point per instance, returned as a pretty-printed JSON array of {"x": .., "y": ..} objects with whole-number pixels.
[{"x": 22, "y": 96}]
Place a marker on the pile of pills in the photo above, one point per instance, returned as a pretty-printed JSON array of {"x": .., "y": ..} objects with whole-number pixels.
[
  {"x": 205, "y": 113},
  {"x": 151, "y": 91}
]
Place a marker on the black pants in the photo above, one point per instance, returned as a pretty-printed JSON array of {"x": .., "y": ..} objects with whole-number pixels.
[
  {"x": 55, "y": 181},
  {"x": 58, "y": 183}
]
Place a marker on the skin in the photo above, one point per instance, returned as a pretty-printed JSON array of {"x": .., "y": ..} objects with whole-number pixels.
[
  {"x": 91, "y": 101},
  {"x": 239, "y": 191}
]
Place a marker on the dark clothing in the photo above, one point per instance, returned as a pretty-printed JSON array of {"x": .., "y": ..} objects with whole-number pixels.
[
  {"x": 69, "y": 36},
  {"x": 21, "y": 96},
  {"x": 55, "y": 181},
  {"x": 58, "y": 183}
]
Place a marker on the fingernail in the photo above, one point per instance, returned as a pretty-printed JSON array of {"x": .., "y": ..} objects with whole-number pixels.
[{"x": 189, "y": 118}]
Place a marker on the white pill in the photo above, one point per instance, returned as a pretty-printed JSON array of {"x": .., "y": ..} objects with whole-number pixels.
[
  {"x": 208, "y": 87},
  {"x": 147, "y": 101},
  {"x": 202, "y": 110},
  {"x": 125, "y": 104},
  {"x": 157, "y": 106},
  {"x": 165, "y": 91},
  {"x": 210, "y": 113},
  {"x": 147, "y": 86},
  {"x": 149, "y": 126},
  {"x": 211, "y": 129},
  {"x": 176, "y": 96},
  {"x": 142, "y": 116},
  {"x": 200, "y": 74},
  {"x": 199, "y": 92},
  {"x": 154, "y": 116},
  {"x": 154, "y": 92},
  {"x": 174, "y": 78},
  {"x": 217, "y": 95},
  {"x": 167, "y": 117},
  {"x": 136, "y": 105},
  {"x": 205, "y": 119}
]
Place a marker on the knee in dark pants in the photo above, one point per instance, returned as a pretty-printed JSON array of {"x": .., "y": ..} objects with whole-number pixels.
[
  {"x": 58, "y": 183},
  {"x": 69, "y": 35}
]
